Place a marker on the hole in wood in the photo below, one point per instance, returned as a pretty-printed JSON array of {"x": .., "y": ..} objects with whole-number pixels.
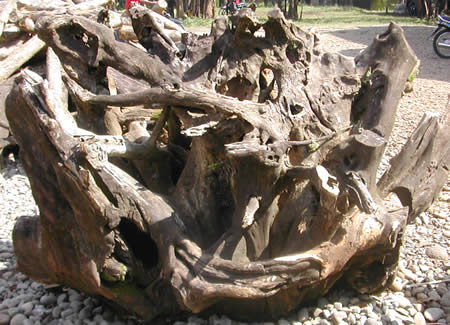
[{"x": 141, "y": 243}]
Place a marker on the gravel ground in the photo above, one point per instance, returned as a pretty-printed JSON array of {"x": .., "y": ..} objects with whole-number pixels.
[{"x": 420, "y": 294}]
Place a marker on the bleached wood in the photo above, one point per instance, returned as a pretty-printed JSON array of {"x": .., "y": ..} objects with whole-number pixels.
[{"x": 19, "y": 56}]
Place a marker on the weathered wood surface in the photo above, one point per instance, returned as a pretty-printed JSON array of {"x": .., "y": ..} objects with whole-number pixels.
[
  {"x": 19, "y": 56},
  {"x": 5, "y": 11},
  {"x": 236, "y": 175}
]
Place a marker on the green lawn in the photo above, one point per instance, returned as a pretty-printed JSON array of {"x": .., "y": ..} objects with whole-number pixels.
[
  {"x": 324, "y": 16},
  {"x": 351, "y": 16}
]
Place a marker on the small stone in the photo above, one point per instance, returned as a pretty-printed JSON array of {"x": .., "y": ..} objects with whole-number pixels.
[
  {"x": 370, "y": 321},
  {"x": 13, "y": 311},
  {"x": 39, "y": 311},
  {"x": 317, "y": 312},
  {"x": 402, "y": 301},
  {"x": 303, "y": 315},
  {"x": 48, "y": 300},
  {"x": 419, "y": 319},
  {"x": 76, "y": 306},
  {"x": 392, "y": 315},
  {"x": 437, "y": 252},
  {"x": 75, "y": 296},
  {"x": 351, "y": 319},
  {"x": 35, "y": 285},
  {"x": 338, "y": 305},
  {"x": 13, "y": 302},
  {"x": 225, "y": 321},
  {"x": 85, "y": 313},
  {"x": 412, "y": 311},
  {"x": 397, "y": 285},
  {"x": 419, "y": 307},
  {"x": 421, "y": 296},
  {"x": 362, "y": 320},
  {"x": 441, "y": 289},
  {"x": 97, "y": 310},
  {"x": 56, "y": 312},
  {"x": 338, "y": 317},
  {"x": 324, "y": 322},
  {"x": 18, "y": 319},
  {"x": 98, "y": 318},
  {"x": 424, "y": 268},
  {"x": 4, "y": 319},
  {"x": 283, "y": 322},
  {"x": 446, "y": 233},
  {"x": 434, "y": 295},
  {"x": 61, "y": 298},
  {"x": 433, "y": 314},
  {"x": 402, "y": 311},
  {"x": 326, "y": 313},
  {"x": 434, "y": 304},
  {"x": 27, "y": 307},
  {"x": 417, "y": 290},
  {"x": 410, "y": 275},
  {"x": 445, "y": 301},
  {"x": 67, "y": 312},
  {"x": 367, "y": 309}
]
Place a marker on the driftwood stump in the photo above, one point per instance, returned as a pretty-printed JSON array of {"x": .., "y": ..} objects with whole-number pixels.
[{"x": 233, "y": 173}]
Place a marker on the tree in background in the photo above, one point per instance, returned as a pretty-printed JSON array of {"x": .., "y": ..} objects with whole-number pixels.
[
  {"x": 196, "y": 8},
  {"x": 431, "y": 8}
]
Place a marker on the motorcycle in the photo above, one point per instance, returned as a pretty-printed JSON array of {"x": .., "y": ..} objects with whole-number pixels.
[{"x": 441, "y": 37}]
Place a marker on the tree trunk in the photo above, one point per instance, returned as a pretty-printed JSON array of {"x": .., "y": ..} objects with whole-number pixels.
[
  {"x": 236, "y": 176},
  {"x": 293, "y": 10}
]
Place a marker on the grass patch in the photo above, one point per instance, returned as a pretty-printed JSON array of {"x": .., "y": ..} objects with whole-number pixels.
[
  {"x": 352, "y": 16},
  {"x": 197, "y": 22},
  {"x": 328, "y": 16}
]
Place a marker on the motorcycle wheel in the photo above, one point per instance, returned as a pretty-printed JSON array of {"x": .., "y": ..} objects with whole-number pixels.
[{"x": 441, "y": 43}]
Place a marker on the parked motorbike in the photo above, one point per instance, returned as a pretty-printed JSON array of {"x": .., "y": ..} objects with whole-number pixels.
[{"x": 441, "y": 37}]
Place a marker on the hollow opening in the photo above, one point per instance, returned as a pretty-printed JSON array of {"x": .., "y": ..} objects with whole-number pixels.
[
  {"x": 74, "y": 37},
  {"x": 240, "y": 88},
  {"x": 404, "y": 195},
  {"x": 141, "y": 244},
  {"x": 293, "y": 52},
  {"x": 295, "y": 109}
]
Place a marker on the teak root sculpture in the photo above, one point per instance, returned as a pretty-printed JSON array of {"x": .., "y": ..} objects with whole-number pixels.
[{"x": 230, "y": 173}]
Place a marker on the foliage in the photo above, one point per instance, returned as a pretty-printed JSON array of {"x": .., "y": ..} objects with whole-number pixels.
[{"x": 198, "y": 22}]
